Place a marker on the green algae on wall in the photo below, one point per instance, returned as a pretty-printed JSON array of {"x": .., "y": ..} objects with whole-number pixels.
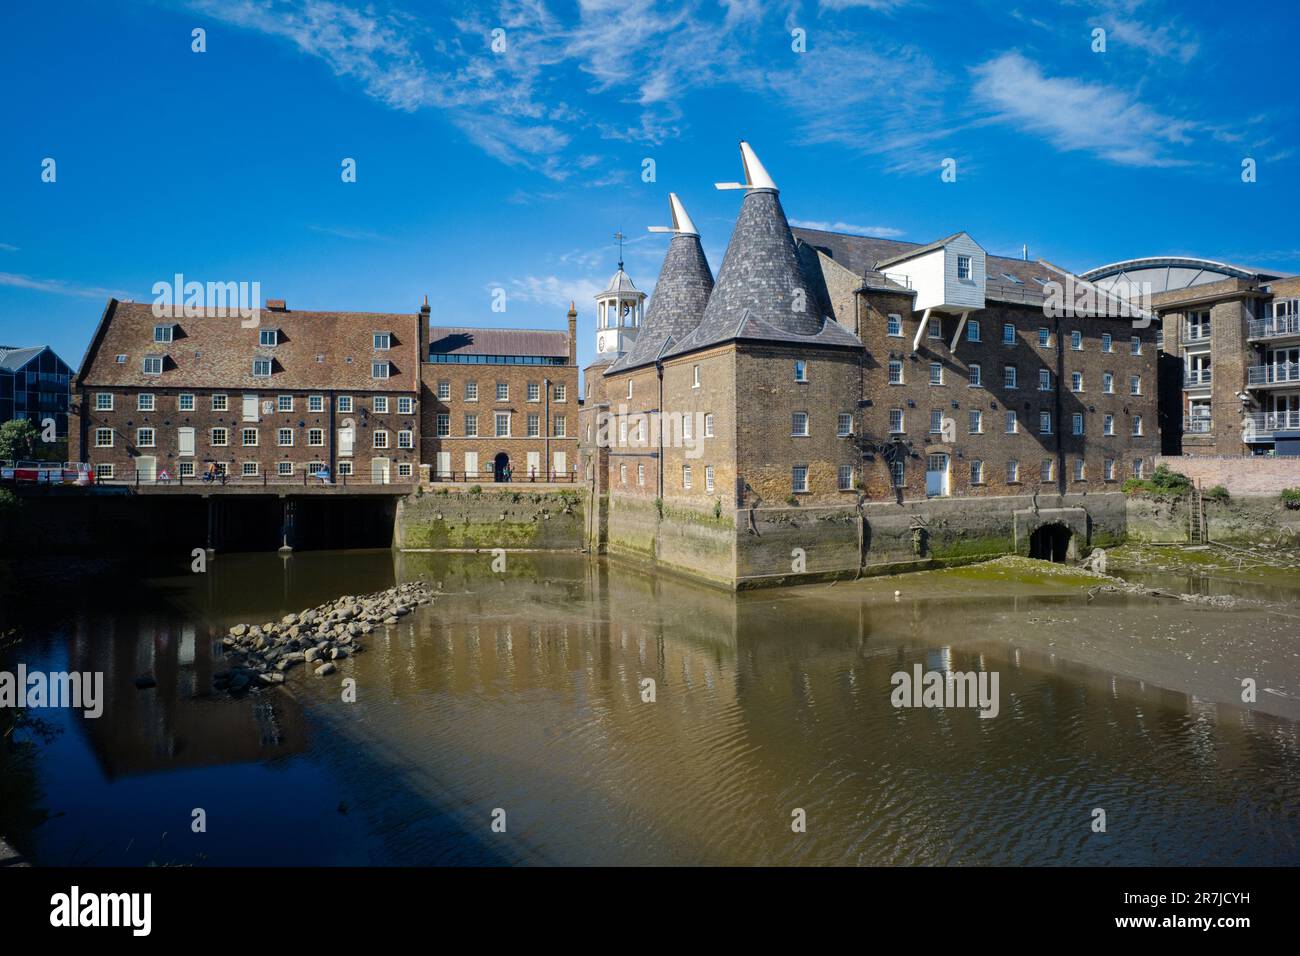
[{"x": 465, "y": 520}]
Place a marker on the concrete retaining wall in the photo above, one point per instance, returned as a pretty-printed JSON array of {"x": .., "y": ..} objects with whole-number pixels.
[
  {"x": 773, "y": 546},
  {"x": 550, "y": 521},
  {"x": 1239, "y": 520}
]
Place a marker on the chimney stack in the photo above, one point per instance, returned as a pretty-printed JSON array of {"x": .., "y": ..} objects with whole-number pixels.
[
  {"x": 424, "y": 331},
  {"x": 573, "y": 334},
  {"x": 1024, "y": 251},
  {"x": 276, "y": 305}
]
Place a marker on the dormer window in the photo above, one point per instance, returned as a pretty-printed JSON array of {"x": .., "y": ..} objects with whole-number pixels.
[
  {"x": 153, "y": 365},
  {"x": 268, "y": 337},
  {"x": 163, "y": 333},
  {"x": 383, "y": 341},
  {"x": 121, "y": 360},
  {"x": 261, "y": 368},
  {"x": 379, "y": 369}
]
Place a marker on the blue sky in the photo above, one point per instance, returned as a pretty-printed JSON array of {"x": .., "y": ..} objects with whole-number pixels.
[{"x": 479, "y": 169}]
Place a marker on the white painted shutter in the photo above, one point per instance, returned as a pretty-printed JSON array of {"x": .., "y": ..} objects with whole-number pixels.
[{"x": 185, "y": 441}]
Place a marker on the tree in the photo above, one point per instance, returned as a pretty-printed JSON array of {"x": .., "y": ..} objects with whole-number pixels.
[{"x": 18, "y": 439}]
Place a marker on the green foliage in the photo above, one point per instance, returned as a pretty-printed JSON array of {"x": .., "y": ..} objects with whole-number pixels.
[
  {"x": 18, "y": 439},
  {"x": 1162, "y": 482},
  {"x": 792, "y": 501},
  {"x": 1291, "y": 497},
  {"x": 8, "y": 502},
  {"x": 659, "y": 507},
  {"x": 476, "y": 490},
  {"x": 1218, "y": 493},
  {"x": 717, "y": 508}
]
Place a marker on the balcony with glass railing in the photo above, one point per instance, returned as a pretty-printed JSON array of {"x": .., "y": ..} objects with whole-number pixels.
[
  {"x": 1197, "y": 424},
  {"x": 1195, "y": 333},
  {"x": 1196, "y": 377},
  {"x": 1260, "y": 426},
  {"x": 1274, "y": 327},
  {"x": 1280, "y": 373}
]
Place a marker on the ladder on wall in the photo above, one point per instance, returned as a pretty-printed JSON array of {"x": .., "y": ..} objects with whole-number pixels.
[{"x": 1196, "y": 517}]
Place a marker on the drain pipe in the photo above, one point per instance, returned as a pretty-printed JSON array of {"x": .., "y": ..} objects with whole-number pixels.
[{"x": 659, "y": 373}]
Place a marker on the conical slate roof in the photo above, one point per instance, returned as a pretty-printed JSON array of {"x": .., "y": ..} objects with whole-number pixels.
[
  {"x": 760, "y": 273},
  {"x": 762, "y": 291},
  {"x": 677, "y": 305},
  {"x": 681, "y": 293}
]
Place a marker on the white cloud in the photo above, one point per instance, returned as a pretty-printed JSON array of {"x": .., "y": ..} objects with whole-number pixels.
[
  {"x": 1077, "y": 115},
  {"x": 57, "y": 287},
  {"x": 880, "y": 6},
  {"x": 6, "y": 247},
  {"x": 355, "y": 234},
  {"x": 551, "y": 289},
  {"x": 880, "y": 232}
]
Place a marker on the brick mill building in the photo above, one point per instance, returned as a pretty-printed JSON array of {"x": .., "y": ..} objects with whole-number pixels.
[
  {"x": 277, "y": 399},
  {"x": 824, "y": 375},
  {"x": 498, "y": 399},
  {"x": 1230, "y": 337}
]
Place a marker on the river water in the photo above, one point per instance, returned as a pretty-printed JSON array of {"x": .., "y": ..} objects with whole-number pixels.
[{"x": 518, "y": 697}]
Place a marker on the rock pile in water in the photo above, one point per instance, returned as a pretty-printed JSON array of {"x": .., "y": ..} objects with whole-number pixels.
[{"x": 262, "y": 654}]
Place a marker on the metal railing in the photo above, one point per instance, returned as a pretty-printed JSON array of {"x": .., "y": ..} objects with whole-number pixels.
[
  {"x": 1276, "y": 374},
  {"x": 1195, "y": 333},
  {"x": 303, "y": 479},
  {"x": 1193, "y": 377},
  {"x": 489, "y": 475},
  {"x": 1274, "y": 327},
  {"x": 1262, "y": 425},
  {"x": 1197, "y": 424}
]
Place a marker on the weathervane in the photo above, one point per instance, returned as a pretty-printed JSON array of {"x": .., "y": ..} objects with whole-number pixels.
[{"x": 619, "y": 237}]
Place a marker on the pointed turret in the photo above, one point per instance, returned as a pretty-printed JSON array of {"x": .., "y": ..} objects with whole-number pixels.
[
  {"x": 680, "y": 295},
  {"x": 760, "y": 275}
]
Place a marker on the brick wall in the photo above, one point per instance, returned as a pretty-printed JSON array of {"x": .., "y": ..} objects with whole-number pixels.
[
  {"x": 1240, "y": 474},
  {"x": 955, "y": 398},
  {"x": 486, "y": 445},
  {"x": 126, "y": 420}
]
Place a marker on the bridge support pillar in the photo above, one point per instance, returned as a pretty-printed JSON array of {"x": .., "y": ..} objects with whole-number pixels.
[
  {"x": 286, "y": 526},
  {"x": 211, "y": 547}
]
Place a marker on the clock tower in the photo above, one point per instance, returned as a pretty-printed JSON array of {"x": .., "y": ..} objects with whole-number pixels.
[{"x": 619, "y": 311}]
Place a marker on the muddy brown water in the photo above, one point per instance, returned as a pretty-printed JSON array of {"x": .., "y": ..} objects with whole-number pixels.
[{"x": 523, "y": 693}]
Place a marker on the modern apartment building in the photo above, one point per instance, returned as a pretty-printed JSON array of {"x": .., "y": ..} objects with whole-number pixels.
[
  {"x": 34, "y": 385},
  {"x": 1232, "y": 339}
]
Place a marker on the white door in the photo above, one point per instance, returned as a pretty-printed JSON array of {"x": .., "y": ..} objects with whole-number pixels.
[
  {"x": 471, "y": 465},
  {"x": 185, "y": 442},
  {"x": 250, "y": 408},
  {"x": 379, "y": 471},
  {"x": 534, "y": 464},
  {"x": 146, "y": 468},
  {"x": 444, "y": 464},
  {"x": 936, "y": 476},
  {"x": 346, "y": 434},
  {"x": 561, "y": 464}
]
